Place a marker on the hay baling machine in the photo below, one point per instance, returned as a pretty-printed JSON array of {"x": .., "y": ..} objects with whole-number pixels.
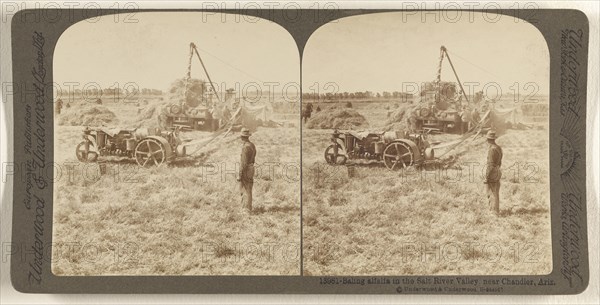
[
  {"x": 192, "y": 112},
  {"x": 441, "y": 109}
]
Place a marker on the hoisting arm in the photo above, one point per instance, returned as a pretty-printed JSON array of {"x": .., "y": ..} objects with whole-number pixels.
[
  {"x": 193, "y": 50},
  {"x": 443, "y": 52}
]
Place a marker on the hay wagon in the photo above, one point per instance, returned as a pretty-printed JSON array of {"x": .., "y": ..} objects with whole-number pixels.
[
  {"x": 394, "y": 149},
  {"x": 149, "y": 147}
]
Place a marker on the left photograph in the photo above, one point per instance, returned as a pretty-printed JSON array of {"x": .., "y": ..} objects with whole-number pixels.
[{"x": 176, "y": 146}]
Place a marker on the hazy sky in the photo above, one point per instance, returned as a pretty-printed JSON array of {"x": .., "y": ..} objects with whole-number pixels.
[
  {"x": 379, "y": 52},
  {"x": 154, "y": 51}
]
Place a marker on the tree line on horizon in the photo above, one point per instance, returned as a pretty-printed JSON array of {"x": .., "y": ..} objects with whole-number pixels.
[
  {"x": 356, "y": 95},
  {"x": 111, "y": 91}
]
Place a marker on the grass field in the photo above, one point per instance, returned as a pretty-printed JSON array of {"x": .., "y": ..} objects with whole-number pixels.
[
  {"x": 433, "y": 222},
  {"x": 182, "y": 219},
  {"x": 186, "y": 218}
]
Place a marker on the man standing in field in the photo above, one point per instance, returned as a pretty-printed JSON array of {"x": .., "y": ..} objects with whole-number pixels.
[
  {"x": 493, "y": 173},
  {"x": 246, "y": 177},
  {"x": 412, "y": 123},
  {"x": 465, "y": 116},
  {"x": 58, "y": 107},
  {"x": 475, "y": 117},
  {"x": 306, "y": 112}
]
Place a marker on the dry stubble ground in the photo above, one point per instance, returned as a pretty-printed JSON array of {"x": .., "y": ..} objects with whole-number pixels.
[
  {"x": 181, "y": 219},
  {"x": 433, "y": 222}
]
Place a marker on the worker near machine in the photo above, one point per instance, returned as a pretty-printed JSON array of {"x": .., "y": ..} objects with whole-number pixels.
[
  {"x": 475, "y": 118},
  {"x": 307, "y": 111},
  {"x": 246, "y": 177},
  {"x": 465, "y": 116},
  {"x": 493, "y": 172},
  {"x": 58, "y": 107},
  {"x": 412, "y": 123}
]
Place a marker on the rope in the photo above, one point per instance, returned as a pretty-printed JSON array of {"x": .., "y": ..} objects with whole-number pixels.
[
  {"x": 193, "y": 46},
  {"x": 226, "y": 63},
  {"x": 439, "y": 71},
  {"x": 188, "y": 76},
  {"x": 472, "y": 64},
  {"x": 222, "y": 132},
  {"x": 467, "y": 135}
]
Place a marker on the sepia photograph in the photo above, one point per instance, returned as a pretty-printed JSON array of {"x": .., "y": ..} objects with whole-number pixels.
[
  {"x": 425, "y": 146},
  {"x": 298, "y": 148},
  {"x": 176, "y": 146}
]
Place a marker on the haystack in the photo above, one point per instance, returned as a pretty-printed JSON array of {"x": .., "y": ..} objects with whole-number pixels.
[
  {"x": 340, "y": 118},
  {"x": 195, "y": 90},
  {"x": 397, "y": 119},
  {"x": 87, "y": 115},
  {"x": 148, "y": 116}
]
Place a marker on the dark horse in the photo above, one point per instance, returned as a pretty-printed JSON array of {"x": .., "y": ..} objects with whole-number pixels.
[{"x": 306, "y": 111}]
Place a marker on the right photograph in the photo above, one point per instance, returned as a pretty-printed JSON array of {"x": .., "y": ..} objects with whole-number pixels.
[{"x": 425, "y": 146}]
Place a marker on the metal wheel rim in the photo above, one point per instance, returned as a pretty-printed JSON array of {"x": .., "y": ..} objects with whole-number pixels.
[
  {"x": 91, "y": 152},
  {"x": 149, "y": 152},
  {"x": 397, "y": 155},
  {"x": 329, "y": 156}
]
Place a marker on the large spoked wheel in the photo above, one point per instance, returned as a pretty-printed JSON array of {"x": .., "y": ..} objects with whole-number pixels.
[
  {"x": 86, "y": 154},
  {"x": 150, "y": 152},
  {"x": 398, "y": 155},
  {"x": 331, "y": 159}
]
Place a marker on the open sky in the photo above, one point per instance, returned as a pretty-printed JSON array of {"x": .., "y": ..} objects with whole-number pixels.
[
  {"x": 381, "y": 51},
  {"x": 153, "y": 52}
]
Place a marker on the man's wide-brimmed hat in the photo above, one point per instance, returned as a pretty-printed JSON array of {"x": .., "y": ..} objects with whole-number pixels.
[
  {"x": 245, "y": 133},
  {"x": 491, "y": 135}
]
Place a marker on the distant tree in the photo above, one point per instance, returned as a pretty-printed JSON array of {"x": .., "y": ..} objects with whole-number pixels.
[
  {"x": 386, "y": 94},
  {"x": 406, "y": 97},
  {"x": 378, "y": 95}
]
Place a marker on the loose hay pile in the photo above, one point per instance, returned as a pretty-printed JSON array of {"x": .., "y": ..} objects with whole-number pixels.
[
  {"x": 341, "y": 118},
  {"x": 87, "y": 115},
  {"x": 193, "y": 96},
  {"x": 148, "y": 116},
  {"x": 397, "y": 119},
  {"x": 149, "y": 113}
]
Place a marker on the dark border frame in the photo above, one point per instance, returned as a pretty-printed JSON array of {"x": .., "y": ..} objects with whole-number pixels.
[{"x": 567, "y": 167}]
